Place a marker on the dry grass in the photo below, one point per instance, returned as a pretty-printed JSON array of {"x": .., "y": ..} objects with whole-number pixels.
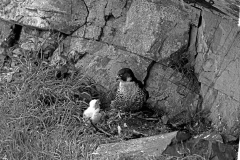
[{"x": 40, "y": 116}]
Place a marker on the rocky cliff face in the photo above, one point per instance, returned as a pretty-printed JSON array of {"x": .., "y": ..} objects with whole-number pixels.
[
  {"x": 185, "y": 51},
  {"x": 217, "y": 64}
]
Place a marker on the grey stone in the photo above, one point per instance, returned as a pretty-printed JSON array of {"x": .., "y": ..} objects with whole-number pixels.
[
  {"x": 115, "y": 7},
  {"x": 229, "y": 7},
  {"x": 65, "y": 16},
  {"x": 217, "y": 64},
  {"x": 142, "y": 147},
  {"x": 224, "y": 110},
  {"x": 95, "y": 19},
  {"x": 169, "y": 93},
  {"x": 100, "y": 12},
  {"x": 151, "y": 29},
  {"x": 5, "y": 29}
]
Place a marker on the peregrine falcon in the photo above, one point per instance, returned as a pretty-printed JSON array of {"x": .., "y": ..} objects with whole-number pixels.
[{"x": 131, "y": 93}]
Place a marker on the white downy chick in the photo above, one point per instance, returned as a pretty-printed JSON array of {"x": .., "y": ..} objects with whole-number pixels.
[{"x": 93, "y": 111}]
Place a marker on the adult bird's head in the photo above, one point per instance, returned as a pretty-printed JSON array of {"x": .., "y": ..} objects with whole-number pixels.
[{"x": 126, "y": 75}]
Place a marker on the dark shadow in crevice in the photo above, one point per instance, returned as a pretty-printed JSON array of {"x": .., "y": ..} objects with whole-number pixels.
[
  {"x": 109, "y": 17},
  {"x": 13, "y": 37},
  {"x": 179, "y": 61}
]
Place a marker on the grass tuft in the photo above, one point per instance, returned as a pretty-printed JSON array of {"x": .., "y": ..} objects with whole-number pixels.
[{"x": 40, "y": 116}]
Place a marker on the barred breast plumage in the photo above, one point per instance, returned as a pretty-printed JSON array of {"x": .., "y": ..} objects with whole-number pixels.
[{"x": 131, "y": 94}]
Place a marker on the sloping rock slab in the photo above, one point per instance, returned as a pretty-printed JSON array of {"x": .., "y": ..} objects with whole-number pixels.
[
  {"x": 65, "y": 16},
  {"x": 139, "y": 148}
]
